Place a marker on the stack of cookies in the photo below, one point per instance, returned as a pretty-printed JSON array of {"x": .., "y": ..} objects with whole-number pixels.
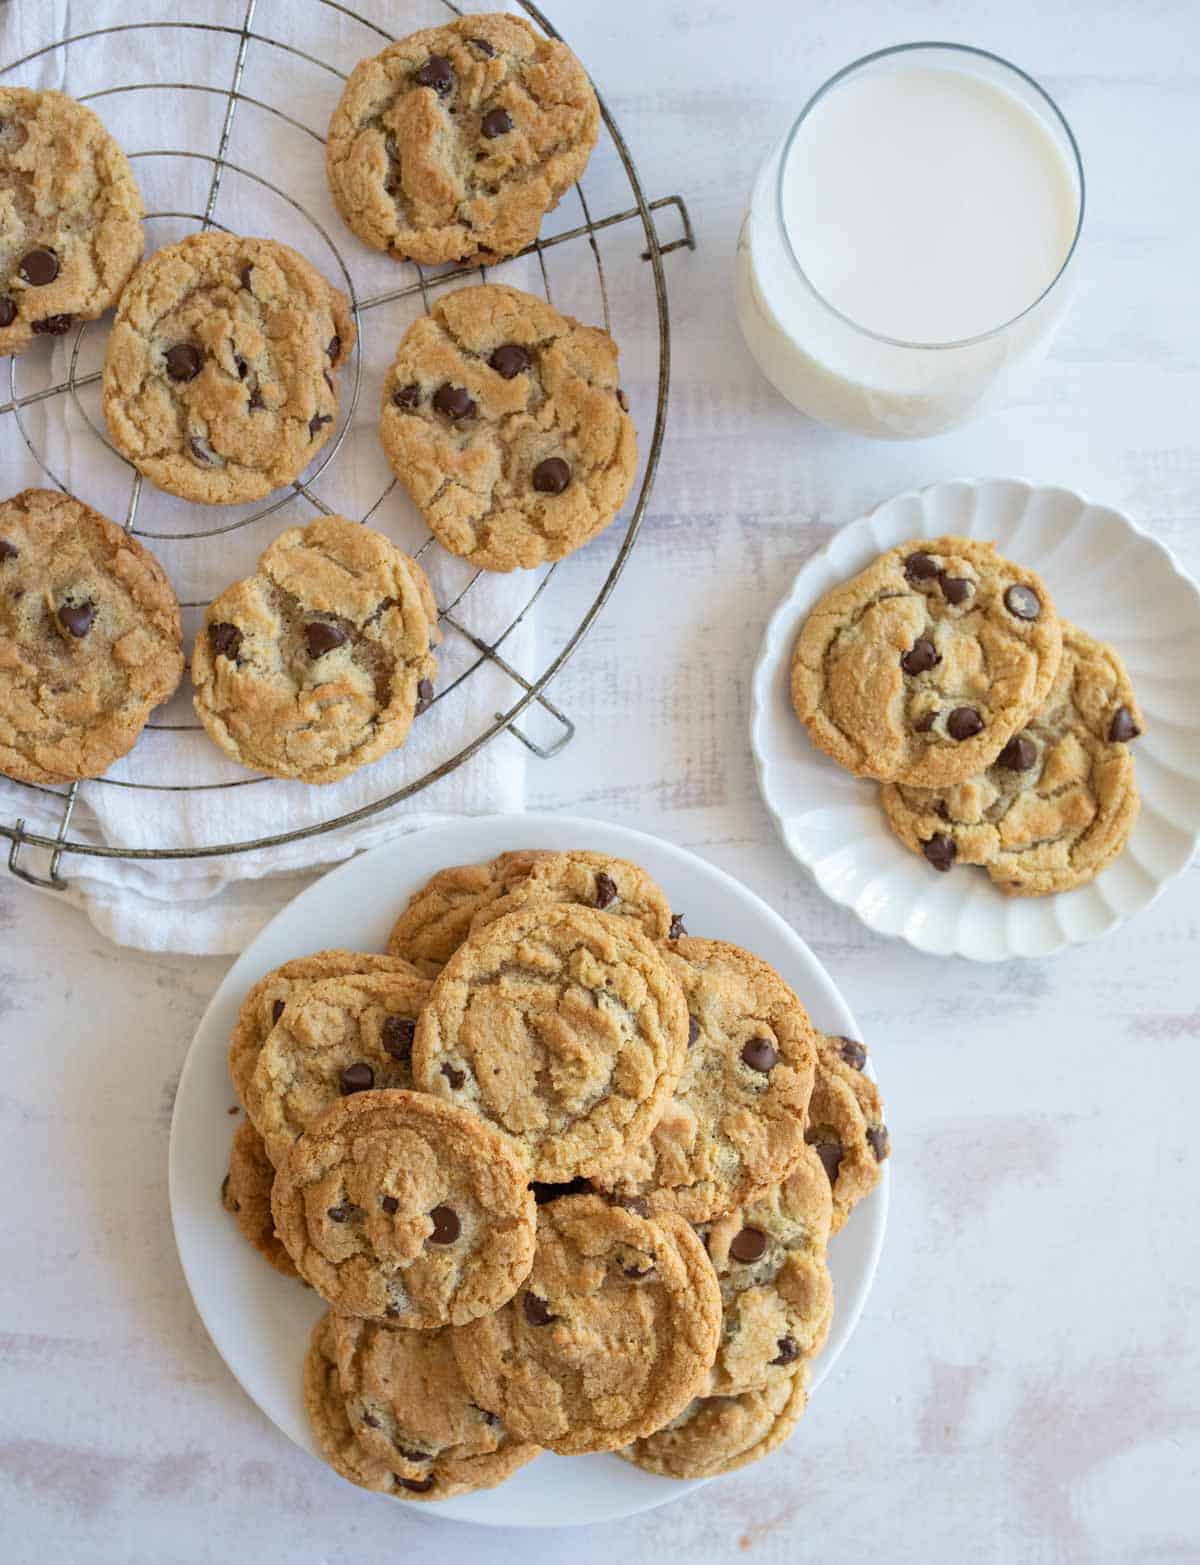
[
  {"x": 999, "y": 731},
  {"x": 564, "y": 1174}
]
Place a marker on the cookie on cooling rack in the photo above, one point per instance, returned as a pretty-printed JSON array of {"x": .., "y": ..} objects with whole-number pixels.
[
  {"x": 72, "y": 231},
  {"x": 453, "y": 143},
  {"x": 319, "y": 662},
  {"x": 504, "y": 421},
  {"x": 220, "y": 380},
  {"x": 90, "y": 638}
]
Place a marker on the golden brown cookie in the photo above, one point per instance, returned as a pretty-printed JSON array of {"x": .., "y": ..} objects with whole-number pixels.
[
  {"x": 561, "y": 1026},
  {"x": 89, "y": 638},
  {"x": 611, "y": 885},
  {"x": 612, "y": 1333},
  {"x": 396, "y": 1206},
  {"x": 716, "y": 1435},
  {"x": 246, "y": 1192},
  {"x": 845, "y": 1123},
  {"x": 391, "y": 1413},
  {"x": 505, "y": 422},
  {"x": 1058, "y": 803},
  {"x": 72, "y": 217},
  {"x": 922, "y": 667},
  {"x": 337, "y": 1037},
  {"x": 437, "y": 918},
  {"x": 220, "y": 379},
  {"x": 454, "y": 142},
  {"x": 735, "y": 1125},
  {"x": 318, "y": 664}
]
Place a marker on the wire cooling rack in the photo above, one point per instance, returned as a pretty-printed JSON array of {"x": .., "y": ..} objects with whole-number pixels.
[{"x": 455, "y": 611}]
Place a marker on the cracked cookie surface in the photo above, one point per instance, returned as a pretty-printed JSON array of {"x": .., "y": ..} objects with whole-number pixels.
[
  {"x": 437, "y": 917},
  {"x": 319, "y": 662},
  {"x": 70, "y": 217},
  {"x": 845, "y": 1123},
  {"x": 454, "y": 142},
  {"x": 504, "y": 421},
  {"x": 397, "y": 1206},
  {"x": 220, "y": 378},
  {"x": 717, "y": 1434},
  {"x": 340, "y": 1036},
  {"x": 246, "y": 1192},
  {"x": 922, "y": 667},
  {"x": 90, "y": 638},
  {"x": 610, "y": 1335},
  {"x": 614, "y": 886},
  {"x": 562, "y": 1026},
  {"x": 391, "y": 1413},
  {"x": 1058, "y": 803},
  {"x": 735, "y": 1125}
]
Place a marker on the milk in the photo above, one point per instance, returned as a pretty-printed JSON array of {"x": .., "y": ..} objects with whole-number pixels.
[{"x": 900, "y": 266}]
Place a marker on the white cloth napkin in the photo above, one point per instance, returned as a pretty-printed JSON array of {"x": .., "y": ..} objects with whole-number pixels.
[{"x": 216, "y": 904}]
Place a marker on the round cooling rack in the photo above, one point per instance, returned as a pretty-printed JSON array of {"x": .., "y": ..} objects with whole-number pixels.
[{"x": 266, "y": 33}]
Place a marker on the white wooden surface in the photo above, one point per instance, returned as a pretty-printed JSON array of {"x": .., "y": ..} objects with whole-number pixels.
[{"x": 1024, "y": 1385}]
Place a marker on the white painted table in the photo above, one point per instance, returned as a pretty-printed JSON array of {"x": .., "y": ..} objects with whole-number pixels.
[{"x": 1024, "y": 1385}]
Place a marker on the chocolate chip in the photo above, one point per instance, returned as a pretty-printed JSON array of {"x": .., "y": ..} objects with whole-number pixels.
[
  {"x": 183, "y": 361},
  {"x": 955, "y": 589},
  {"x": 509, "y": 360},
  {"x": 483, "y": 46},
  {"x": 853, "y": 1053},
  {"x": 8, "y": 551},
  {"x": 358, "y": 1077},
  {"x": 256, "y": 400},
  {"x": 411, "y": 1455},
  {"x": 637, "y": 1204},
  {"x": 453, "y": 1076},
  {"x": 8, "y": 310},
  {"x": 424, "y": 696},
  {"x": 921, "y": 657},
  {"x": 276, "y": 1011},
  {"x": 417, "y": 1485},
  {"x": 693, "y": 1030},
  {"x": 638, "y": 1273},
  {"x": 877, "y": 1136},
  {"x": 496, "y": 122},
  {"x": 760, "y": 1054},
  {"x": 202, "y": 452},
  {"x": 551, "y": 476},
  {"x": 920, "y": 567},
  {"x": 390, "y": 1205},
  {"x": 370, "y": 1420},
  {"x": 749, "y": 1245},
  {"x": 335, "y": 346},
  {"x": 225, "y": 641},
  {"x": 454, "y": 402},
  {"x": 446, "y": 1226},
  {"x": 940, "y": 850},
  {"x": 789, "y": 1351},
  {"x": 964, "y": 722},
  {"x": 489, "y": 1419},
  {"x": 38, "y": 267},
  {"x": 1018, "y": 755},
  {"x": 925, "y": 722},
  {"x": 340, "y": 1214},
  {"x": 1023, "y": 602},
  {"x": 830, "y": 1153},
  {"x": 246, "y": 274},
  {"x": 1122, "y": 728},
  {"x": 941, "y": 811},
  {"x": 677, "y": 930},
  {"x": 317, "y": 423},
  {"x": 241, "y": 366},
  {"x": 406, "y": 396},
  {"x": 396, "y": 1035},
  {"x": 52, "y": 326},
  {"x": 76, "y": 618},
  {"x": 537, "y": 1311},
  {"x": 321, "y": 637},
  {"x": 606, "y": 890},
  {"x": 438, "y": 73},
  {"x": 622, "y": 400},
  {"x": 544, "y": 1191}
]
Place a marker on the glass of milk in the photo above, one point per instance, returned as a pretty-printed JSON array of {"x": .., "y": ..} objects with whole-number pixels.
[{"x": 906, "y": 256}]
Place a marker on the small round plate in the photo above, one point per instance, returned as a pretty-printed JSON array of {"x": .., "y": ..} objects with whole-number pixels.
[
  {"x": 260, "y": 1322},
  {"x": 1087, "y": 555}
]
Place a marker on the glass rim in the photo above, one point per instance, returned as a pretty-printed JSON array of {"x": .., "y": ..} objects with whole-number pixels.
[{"x": 909, "y": 48}]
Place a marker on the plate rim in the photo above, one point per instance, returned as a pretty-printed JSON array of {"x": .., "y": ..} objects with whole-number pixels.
[
  {"x": 512, "y": 822},
  {"x": 765, "y": 665}
]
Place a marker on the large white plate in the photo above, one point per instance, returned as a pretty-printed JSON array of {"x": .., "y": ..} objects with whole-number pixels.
[
  {"x": 1113, "y": 580},
  {"x": 260, "y": 1322}
]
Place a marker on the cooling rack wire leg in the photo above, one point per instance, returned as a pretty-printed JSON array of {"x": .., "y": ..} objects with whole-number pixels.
[{"x": 53, "y": 881}]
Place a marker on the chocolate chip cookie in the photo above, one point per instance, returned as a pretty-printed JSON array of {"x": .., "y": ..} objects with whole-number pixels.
[
  {"x": 246, "y": 1192},
  {"x": 922, "y": 667},
  {"x": 775, "y": 1286},
  {"x": 89, "y": 638},
  {"x": 454, "y": 142},
  {"x": 72, "y": 223},
  {"x": 1058, "y": 803},
  {"x": 504, "y": 421},
  {"x": 611, "y": 1334},
  {"x": 339, "y": 1036},
  {"x": 614, "y": 886},
  {"x": 563, "y": 1027},
  {"x": 221, "y": 375},
  {"x": 716, "y": 1435},
  {"x": 437, "y": 918},
  {"x": 735, "y": 1125},
  {"x": 845, "y": 1123},
  {"x": 317, "y": 664},
  {"x": 266, "y": 1001},
  {"x": 391, "y": 1413},
  {"x": 396, "y": 1206}
]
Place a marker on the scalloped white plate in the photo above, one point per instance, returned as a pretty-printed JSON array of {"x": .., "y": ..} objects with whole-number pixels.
[
  {"x": 260, "y": 1322},
  {"x": 1088, "y": 556}
]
